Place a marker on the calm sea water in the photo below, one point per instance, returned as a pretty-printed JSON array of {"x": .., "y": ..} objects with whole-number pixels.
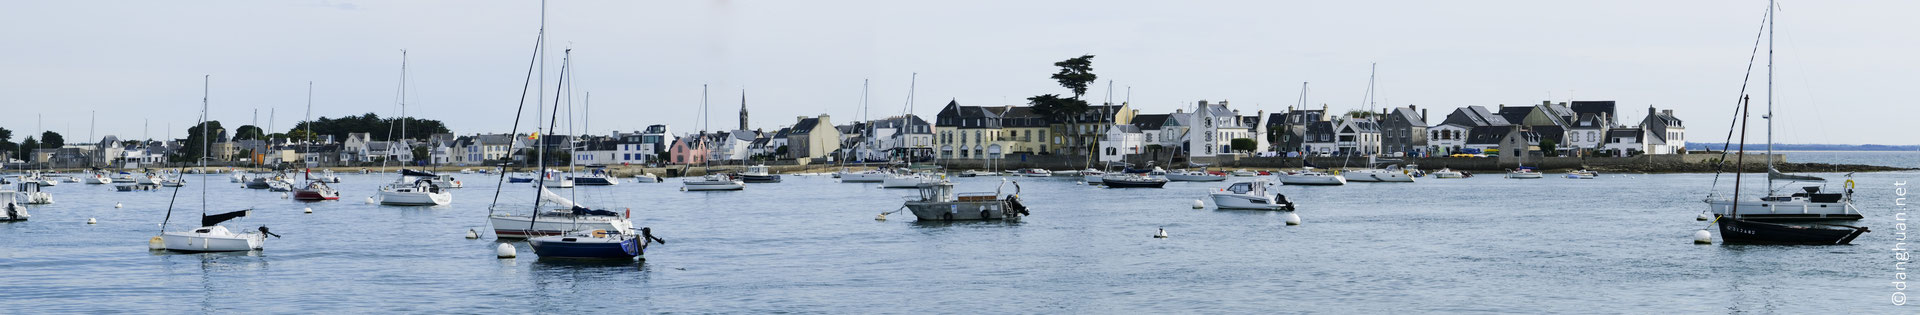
[
  {"x": 1909, "y": 159},
  {"x": 1616, "y": 244}
]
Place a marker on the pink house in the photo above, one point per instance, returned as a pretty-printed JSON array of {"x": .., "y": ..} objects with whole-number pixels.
[{"x": 689, "y": 150}]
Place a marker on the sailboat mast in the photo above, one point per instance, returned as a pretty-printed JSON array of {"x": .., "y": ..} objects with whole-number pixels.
[
  {"x": 1739, "y": 160},
  {"x": 206, "y": 134},
  {"x": 912, "y": 84},
  {"x": 309, "y": 141},
  {"x": 1769, "y": 116},
  {"x": 403, "y": 105}
]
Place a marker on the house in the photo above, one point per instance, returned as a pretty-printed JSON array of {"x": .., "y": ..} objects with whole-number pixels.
[
  {"x": 1625, "y": 141},
  {"x": 1256, "y": 130},
  {"x": 644, "y": 146},
  {"x": 1120, "y": 141},
  {"x": 1589, "y": 129},
  {"x": 481, "y": 149},
  {"x": 356, "y": 148},
  {"x": 689, "y": 150},
  {"x": 732, "y": 146},
  {"x": 900, "y": 137},
  {"x": 968, "y": 132},
  {"x": 595, "y": 150},
  {"x": 1665, "y": 133},
  {"x": 1286, "y": 132},
  {"x": 1216, "y": 129},
  {"x": 318, "y": 154},
  {"x": 1152, "y": 138},
  {"x": 1319, "y": 138},
  {"x": 812, "y": 138},
  {"x": 1519, "y": 145},
  {"x": 106, "y": 151},
  {"x": 1175, "y": 131},
  {"x": 1403, "y": 132},
  {"x": 1357, "y": 136},
  {"x": 1453, "y": 135}
]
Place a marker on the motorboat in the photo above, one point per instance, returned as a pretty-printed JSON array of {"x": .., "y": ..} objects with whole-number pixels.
[
  {"x": 646, "y": 178},
  {"x": 1195, "y": 176},
  {"x": 908, "y": 180},
  {"x": 1389, "y": 174},
  {"x": 447, "y": 181},
  {"x": 98, "y": 178},
  {"x": 1448, "y": 173},
  {"x": 237, "y": 176},
  {"x": 520, "y": 178},
  {"x": 938, "y": 202},
  {"x": 1036, "y": 172},
  {"x": 466, "y": 171},
  {"x": 1250, "y": 195},
  {"x": 758, "y": 174},
  {"x": 975, "y": 173},
  {"x": 1310, "y": 176},
  {"x": 1524, "y": 173},
  {"x": 259, "y": 182},
  {"x": 316, "y": 190},
  {"x": 1582, "y": 174},
  {"x": 1244, "y": 173},
  {"x": 596, "y": 176},
  {"x": 1132, "y": 180},
  {"x": 414, "y": 191},
  {"x": 30, "y": 193},
  {"x": 712, "y": 182},
  {"x": 12, "y": 207},
  {"x": 328, "y": 176}
]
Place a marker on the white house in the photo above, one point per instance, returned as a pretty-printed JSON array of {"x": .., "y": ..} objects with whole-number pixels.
[
  {"x": 1357, "y": 136},
  {"x": 1216, "y": 128},
  {"x": 1121, "y": 140}
]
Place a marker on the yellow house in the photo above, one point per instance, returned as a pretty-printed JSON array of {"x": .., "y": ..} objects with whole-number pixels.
[
  {"x": 1024, "y": 131},
  {"x": 1078, "y": 136}
]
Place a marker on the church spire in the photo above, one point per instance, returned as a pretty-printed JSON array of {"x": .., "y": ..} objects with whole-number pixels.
[{"x": 743, "y": 109}]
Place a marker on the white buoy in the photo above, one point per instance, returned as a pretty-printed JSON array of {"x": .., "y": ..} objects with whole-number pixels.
[
  {"x": 881, "y": 217},
  {"x": 472, "y": 234},
  {"x": 1702, "y": 237},
  {"x": 370, "y": 200},
  {"x": 90, "y": 221},
  {"x": 1162, "y": 234},
  {"x": 1703, "y": 217},
  {"x": 1293, "y": 219},
  {"x": 1197, "y": 204},
  {"x": 505, "y": 251},
  {"x": 283, "y": 195},
  {"x": 309, "y": 209},
  {"x": 156, "y": 243}
]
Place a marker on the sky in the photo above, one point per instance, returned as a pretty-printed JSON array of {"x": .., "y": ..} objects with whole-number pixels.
[{"x": 137, "y": 65}]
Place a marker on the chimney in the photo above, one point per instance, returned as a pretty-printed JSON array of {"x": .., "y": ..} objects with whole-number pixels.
[
  {"x": 797, "y": 119},
  {"x": 1649, "y": 110},
  {"x": 1423, "y": 116},
  {"x": 1667, "y": 112}
]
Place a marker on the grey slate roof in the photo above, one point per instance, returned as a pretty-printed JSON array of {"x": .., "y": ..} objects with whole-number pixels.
[
  {"x": 1475, "y": 116},
  {"x": 1150, "y": 121}
]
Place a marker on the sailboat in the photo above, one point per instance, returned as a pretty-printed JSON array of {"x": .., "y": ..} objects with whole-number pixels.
[
  {"x": 1748, "y": 228},
  {"x": 906, "y": 177},
  {"x": 1307, "y": 175},
  {"x": 413, "y": 188},
  {"x": 210, "y": 236},
  {"x": 712, "y": 181},
  {"x": 315, "y": 189}
]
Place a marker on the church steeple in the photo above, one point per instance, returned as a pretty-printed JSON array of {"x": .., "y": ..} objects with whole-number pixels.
[{"x": 743, "y": 109}]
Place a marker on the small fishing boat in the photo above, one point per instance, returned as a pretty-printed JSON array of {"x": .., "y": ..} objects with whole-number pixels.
[
  {"x": 259, "y": 182},
  {"x": 758, "y": 174},
  {"x": 1309, "y": 176},
  {"x": 520, "y": 178},
  {"x": 1582, "y": 174},
  {"x": 1524, "y": 173},
  {"x": 328, "y": 176},
  {"x": 315, "y": 191},
  {"x": 1244, "y": 173},
  {"x": 12, "y": 207},
  {"x": 868, "y": 176},
  {"x": 447, "y": 181},
  {"x": 646, "y": 178},
  {"x": 1092, "y": 177},
  {"x": 1448, "y": 173},
  {"x": 712, "y": 182},
  {"x": 903, "y": 180},
  {"x": 938, "y": 202},
  {"x": 1251, "y": 195},
  {"x": 30, "y": 192}
]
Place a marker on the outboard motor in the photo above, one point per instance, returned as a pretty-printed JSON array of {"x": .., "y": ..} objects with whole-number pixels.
[{"x": 1014, "y": 205}]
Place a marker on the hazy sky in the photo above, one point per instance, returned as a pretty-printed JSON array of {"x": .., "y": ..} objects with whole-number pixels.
[{"x": 1844, "y": 66}]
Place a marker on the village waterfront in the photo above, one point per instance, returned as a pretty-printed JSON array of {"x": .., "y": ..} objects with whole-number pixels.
[{"x": 1618, "y": 243}]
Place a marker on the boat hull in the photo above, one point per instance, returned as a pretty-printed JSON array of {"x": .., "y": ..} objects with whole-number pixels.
[
  {"x": 1449, "y": 175},
  {"x": 1116, "y": 183},
  {"x": 214, "y": 241},
  {"x": 1524, "y": 175},
  {"x": 1736, "y": 231},
  {"x": 315, "y": 195},
  {"x": 1195, "y": 178},
  {"x": 714, "y": 185},
  {"x": 582, "y": 247},
  {"x": 415, "y": 198},
  {"x": 1316, "y": 180},
  {"x": 905, "y": 182},
  {"x": 1246, "y": 202},
  {"x": 750, "y": 178},
  {"x": 958, "y": 210},
  {"x": 863, "y": 177},
  {"x": 1377, "y": 177},
  {"x": 594, "y": 181}
]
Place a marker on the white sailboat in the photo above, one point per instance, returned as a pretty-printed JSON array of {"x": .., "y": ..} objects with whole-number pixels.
[
  {"x": 413, "y": 188},
  {"x": 1789, "y": 197},
  {"x": 209, "y": 236},
  {"x": 1309, "y": 176}
]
